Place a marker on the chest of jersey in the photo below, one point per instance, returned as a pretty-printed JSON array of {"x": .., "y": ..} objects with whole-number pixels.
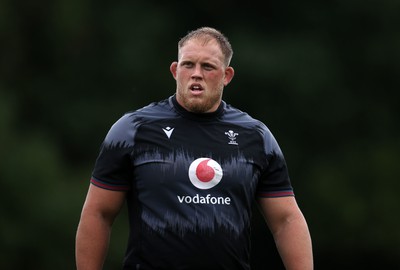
[
  {"x": 197, "y": 169},
  {"x": 176, "y": 152}
]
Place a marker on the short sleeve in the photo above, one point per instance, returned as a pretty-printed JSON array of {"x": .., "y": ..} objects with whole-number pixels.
[
  {"x": 113, "y": 168},
  {"x": 274, "y": 179}
]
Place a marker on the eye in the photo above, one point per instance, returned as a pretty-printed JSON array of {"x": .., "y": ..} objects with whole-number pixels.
[
  {"x": 208, "y": 67},
  {"x": 187, "y": 64}
]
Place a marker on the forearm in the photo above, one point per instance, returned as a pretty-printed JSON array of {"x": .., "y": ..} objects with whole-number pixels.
[
  {"x": 92, "y": 241},
  {"x": 294, "y": 244}
]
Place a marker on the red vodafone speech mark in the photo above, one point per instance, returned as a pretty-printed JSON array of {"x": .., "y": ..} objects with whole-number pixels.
[{"x": 204, "y": 172}]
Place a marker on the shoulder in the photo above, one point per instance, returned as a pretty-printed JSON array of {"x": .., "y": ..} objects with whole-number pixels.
[
  {"x": 124, "y": 129},
  {"x": 155, "y": 111},
  {"x": 236, "y": 116},
  {"x": 241, "y": 118}
]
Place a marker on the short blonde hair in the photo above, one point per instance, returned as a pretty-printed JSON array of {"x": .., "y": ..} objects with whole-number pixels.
[{"x": 207, "y": 34}]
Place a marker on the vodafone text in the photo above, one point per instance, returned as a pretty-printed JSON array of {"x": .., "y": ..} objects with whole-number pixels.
[{"x": 208, "y": 199}]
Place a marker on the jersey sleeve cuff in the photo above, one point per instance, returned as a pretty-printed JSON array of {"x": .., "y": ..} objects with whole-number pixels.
[
  {"x": 108, "y": 186},
  {"x": 275, "y": 194}
]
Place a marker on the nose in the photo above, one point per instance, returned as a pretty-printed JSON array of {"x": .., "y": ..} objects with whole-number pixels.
[{"x": 197, "y": 73}]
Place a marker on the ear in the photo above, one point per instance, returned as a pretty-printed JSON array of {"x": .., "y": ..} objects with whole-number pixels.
[
  {"x": 229, "y": 73},
  {"x": 173, "y": 68}
]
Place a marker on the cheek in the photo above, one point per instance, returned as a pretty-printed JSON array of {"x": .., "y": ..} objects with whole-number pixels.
[
  {"x": 182, "y": 74},
  {"x": 215, "y": 77}
]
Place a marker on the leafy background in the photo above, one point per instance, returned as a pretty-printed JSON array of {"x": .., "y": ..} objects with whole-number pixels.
[{"x": 323, "y": 75}]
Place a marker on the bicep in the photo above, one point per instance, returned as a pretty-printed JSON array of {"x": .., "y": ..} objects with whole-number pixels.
[
  {"x": 278, "y": 211},
  {"x": 103, "y": 203}
]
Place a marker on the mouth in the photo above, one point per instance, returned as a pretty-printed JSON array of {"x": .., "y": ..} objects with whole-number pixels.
[{"x": 196, "y": 88}]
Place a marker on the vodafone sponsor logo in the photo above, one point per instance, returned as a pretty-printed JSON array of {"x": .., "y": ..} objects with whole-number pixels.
[
  {"x": 208, "y": 199},
  {"x": 204, "y": 173}
]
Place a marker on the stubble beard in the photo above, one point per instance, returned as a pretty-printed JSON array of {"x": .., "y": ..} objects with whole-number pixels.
[{"x": 201, "y": 104}]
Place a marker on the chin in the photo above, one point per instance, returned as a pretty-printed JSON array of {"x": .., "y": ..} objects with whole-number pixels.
[{"x": 196, "y": 106}]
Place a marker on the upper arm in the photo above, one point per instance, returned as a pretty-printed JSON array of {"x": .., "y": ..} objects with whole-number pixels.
[
  {"x": 103, "y": 203},
  {"x": 278, "y": 211}
]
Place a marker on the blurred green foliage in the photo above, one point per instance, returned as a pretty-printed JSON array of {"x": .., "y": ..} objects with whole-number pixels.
[{"x": 324, "y": 76}]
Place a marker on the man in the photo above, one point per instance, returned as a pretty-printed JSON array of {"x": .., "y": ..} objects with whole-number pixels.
[{"x": 189, "y": 168}]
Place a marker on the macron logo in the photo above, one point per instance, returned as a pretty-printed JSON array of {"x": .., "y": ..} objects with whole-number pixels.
[{"x": 168, "y": 131}]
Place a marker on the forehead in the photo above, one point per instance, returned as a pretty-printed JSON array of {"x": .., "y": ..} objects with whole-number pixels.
[{"x": 199, "y": 49}]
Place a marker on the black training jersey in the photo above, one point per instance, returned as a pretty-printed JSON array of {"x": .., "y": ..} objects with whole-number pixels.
[{"x": 190, "y": 180}]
